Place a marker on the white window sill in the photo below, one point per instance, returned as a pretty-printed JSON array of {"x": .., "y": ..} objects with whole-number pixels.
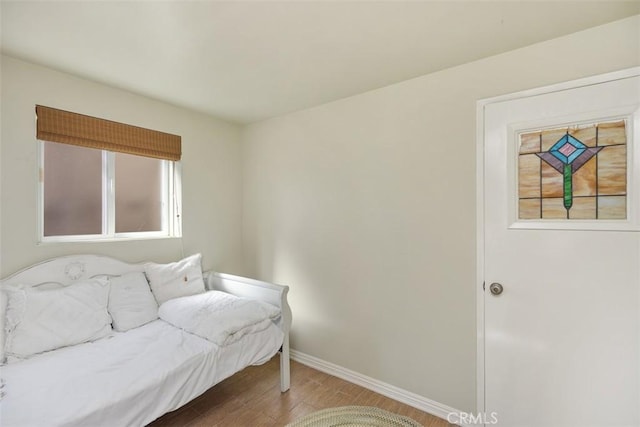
[{"x": 58, "y": 240}]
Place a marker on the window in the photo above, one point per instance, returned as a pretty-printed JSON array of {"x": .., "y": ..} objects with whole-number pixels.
[{"x": 88, "y": 192}]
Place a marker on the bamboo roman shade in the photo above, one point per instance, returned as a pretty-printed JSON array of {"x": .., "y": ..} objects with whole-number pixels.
[{"x": 77, "y": 129}]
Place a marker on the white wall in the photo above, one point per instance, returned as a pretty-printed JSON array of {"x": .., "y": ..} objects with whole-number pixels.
[
  {"x": 211, "y": 170},
  {"x": 366, "y": 208}
]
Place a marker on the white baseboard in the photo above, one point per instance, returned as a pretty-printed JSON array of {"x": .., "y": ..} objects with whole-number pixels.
[{"x": 419, "y": 402}]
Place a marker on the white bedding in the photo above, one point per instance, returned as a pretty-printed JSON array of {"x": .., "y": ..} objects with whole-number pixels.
[
  {"x": 217, "y": 316},
  {"x": 107, "y": 382}
]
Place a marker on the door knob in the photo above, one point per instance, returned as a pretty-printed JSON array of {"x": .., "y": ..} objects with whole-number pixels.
[{"x": 496, "y": 288}]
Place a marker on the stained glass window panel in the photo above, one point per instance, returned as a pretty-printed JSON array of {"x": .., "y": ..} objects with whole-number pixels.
[{"x": 573, "y": 172}]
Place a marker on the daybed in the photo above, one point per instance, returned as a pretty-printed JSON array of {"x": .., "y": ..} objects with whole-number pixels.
[{"x": 128, "y": 373}]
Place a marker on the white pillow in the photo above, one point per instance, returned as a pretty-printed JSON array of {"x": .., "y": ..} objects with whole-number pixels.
[
  {"x": 3, "y": 315},
  {"x": 131, "y": 303},
  {"x": 43, "y": 320},
  {"x": 178, "y": 279}
]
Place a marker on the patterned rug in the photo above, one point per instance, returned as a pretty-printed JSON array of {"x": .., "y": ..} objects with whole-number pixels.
[{"x": 355, "y": 416}]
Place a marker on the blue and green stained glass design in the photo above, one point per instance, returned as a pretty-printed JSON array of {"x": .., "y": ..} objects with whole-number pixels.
[{"x": 573, "y": 172}]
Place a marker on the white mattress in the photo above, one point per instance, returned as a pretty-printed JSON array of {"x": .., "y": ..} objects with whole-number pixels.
[{"x": 128, "y": 379}]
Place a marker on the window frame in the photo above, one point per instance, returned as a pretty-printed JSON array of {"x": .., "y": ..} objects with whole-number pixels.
[{"x": 171, "y": 218}]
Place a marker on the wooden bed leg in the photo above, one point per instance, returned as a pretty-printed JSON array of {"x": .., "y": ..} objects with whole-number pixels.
[{"x": 285, "y": 368}]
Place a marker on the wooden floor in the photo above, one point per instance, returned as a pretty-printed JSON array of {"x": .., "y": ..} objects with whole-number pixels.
[{"x": 252, "y": 398}]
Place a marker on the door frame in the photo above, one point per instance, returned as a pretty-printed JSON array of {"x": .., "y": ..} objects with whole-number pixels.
[{"x": 480, "y": 205}]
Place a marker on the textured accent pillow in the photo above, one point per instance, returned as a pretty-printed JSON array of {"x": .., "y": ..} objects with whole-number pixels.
[
  {"x": 43, "y": 320},
  {"x": 177, "y": 279},
  {"x": 3, "y": 315},
  {"x": 131, "y": 303}
]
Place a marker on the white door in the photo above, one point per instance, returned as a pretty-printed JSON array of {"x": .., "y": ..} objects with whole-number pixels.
[{"x": 562, "y": 341}]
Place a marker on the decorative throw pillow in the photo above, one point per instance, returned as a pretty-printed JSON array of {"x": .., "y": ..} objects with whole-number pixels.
[
  {"x": 131, "y": 303},
  {"x": 43, "y": 320},
  {"x": 3, "y": 315},
  {"x": 178, "y": 279}
]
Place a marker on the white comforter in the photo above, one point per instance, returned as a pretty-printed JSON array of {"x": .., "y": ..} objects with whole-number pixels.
[
  {"x": 128, "y": 379},
  {"x": 217, "y": 316}
]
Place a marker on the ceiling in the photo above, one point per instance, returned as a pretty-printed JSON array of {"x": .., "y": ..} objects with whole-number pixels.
[{"x": 245, "y": 61}]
